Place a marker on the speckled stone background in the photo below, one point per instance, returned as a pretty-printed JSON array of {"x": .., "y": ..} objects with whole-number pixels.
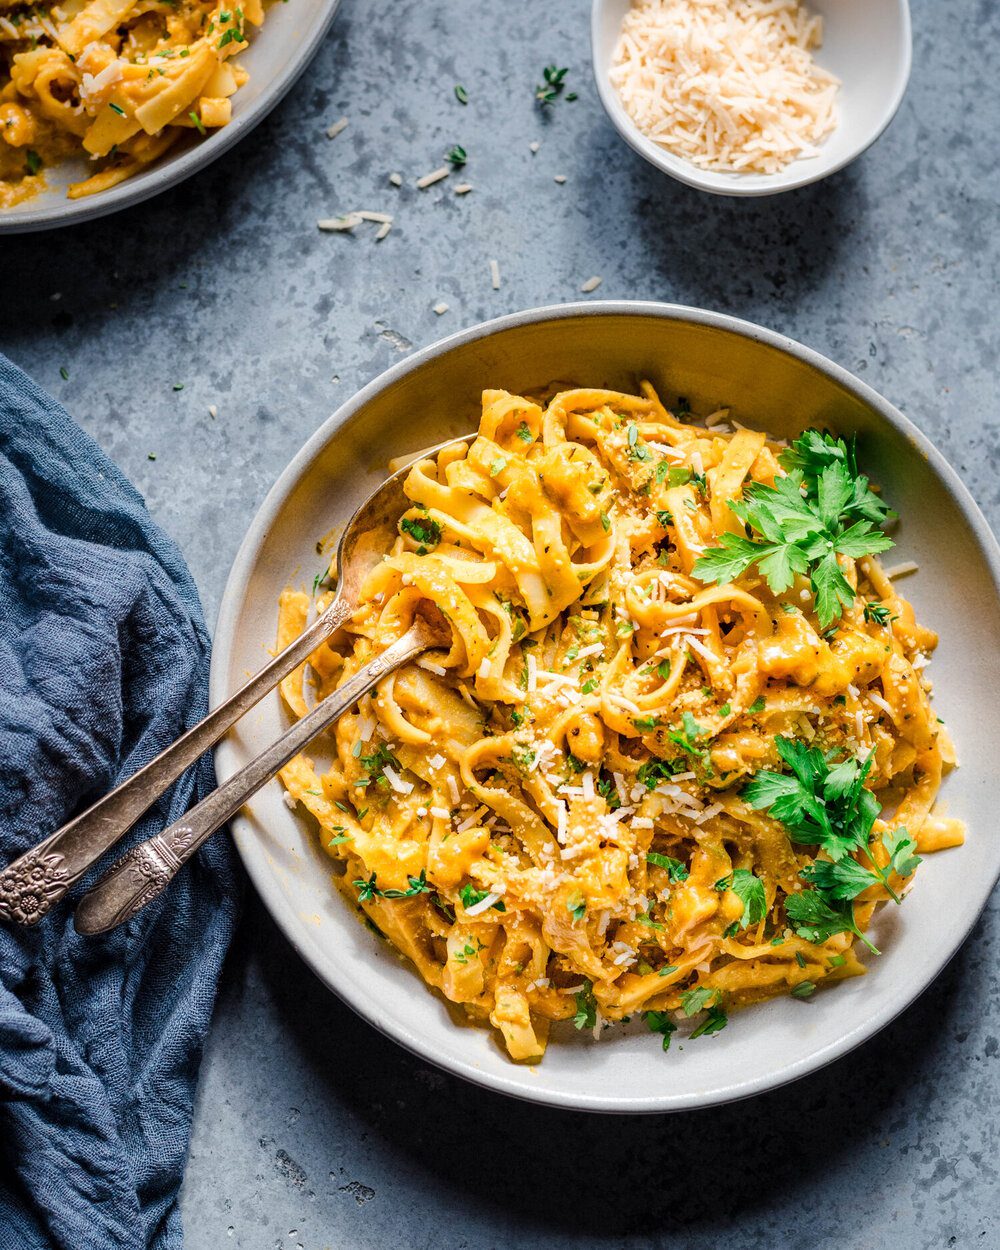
[{"x": 313, "y": 1131}]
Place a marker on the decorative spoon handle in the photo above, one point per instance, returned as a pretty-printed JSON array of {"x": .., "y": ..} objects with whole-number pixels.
[
  {"x": 34, "y": 883},
  {"x": 150, "y": 867}
]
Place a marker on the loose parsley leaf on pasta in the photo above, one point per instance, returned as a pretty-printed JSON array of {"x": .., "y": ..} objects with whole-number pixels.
[
  {"x": 586, "y": 1007},
  {"x": 676, "y": 871},
  {"x": 818, "y": 509},
  {"x": 423, "y": 530},
  {"x": 660, "y": 1022},
  {"x": 750, "y": 891},
  {"x": 816, "y": 920},
  {"x": 714, "y": 1022}
]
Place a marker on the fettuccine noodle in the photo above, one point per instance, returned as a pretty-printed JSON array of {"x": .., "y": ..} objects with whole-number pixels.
[
  {"x": 523, "y": 817},
  {"x": 116, "y": 80}
]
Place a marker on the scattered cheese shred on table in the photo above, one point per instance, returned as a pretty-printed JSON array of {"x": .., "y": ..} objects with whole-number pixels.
[
  {"x": 495, "y": 274},
  {"x": 590, "y": 285},
  {"x": 434, "y": 176},
  {"x": 336, "y": 128},
  {"x": 440, "y": 308},
  {"x": 730, "y": 85}
]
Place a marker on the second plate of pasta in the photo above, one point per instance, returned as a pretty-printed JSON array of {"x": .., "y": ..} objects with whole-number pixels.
[
  {"x": 675, "y": 777},
  {"x": 106, "y": 102}
]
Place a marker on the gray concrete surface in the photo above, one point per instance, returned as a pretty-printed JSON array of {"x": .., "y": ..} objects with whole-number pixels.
[{"x": 312, "y": 1131}]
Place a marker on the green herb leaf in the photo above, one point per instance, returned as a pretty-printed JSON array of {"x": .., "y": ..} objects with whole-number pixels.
[
  {"x": 423, "y": 530},
  {"x": 676, "y": 871},
  {"x": 750, "y": 891},
  {"x": 461, "y": 95},
  {"x": 819, "y": 508},
  {"x": 586, "y": 1007},
  {"x": 697, "y": 999},
  {"x": 714, "y": 1022},
  {"x": 660, "y": 1022}
]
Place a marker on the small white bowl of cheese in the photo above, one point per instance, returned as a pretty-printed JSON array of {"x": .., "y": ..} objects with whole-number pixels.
[{"x": 705, "y": 79}]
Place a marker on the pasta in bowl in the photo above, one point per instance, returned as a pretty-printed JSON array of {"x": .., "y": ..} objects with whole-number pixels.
[
  {"x": 682, "y": 746},
  {"x": 769, "y": 383},
  {"x": 105, "y": 102}
]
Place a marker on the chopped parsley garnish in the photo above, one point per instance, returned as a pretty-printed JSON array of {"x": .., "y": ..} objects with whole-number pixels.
[
  {"x": 577, "y": 906},
  {"x": 678, "y": 475},
  {"x": 590, "y": 685},
  {"x": 33, "y": 161},
  {"x": 758, "y": 705},
  {"x": 470, "y": 896},
  {"x": 645, "y": 722},
  {"x": 693, "y": 1001},
  {"x": 804, "y": 989},
  {"x": 423, "y": 530},
  {"x": 586, "y": 1007},
  {"x": 663, "y": 669},
  {"x": 461, "y": 95},
  {"x": 664, "y": 516},
  {"x": 714, "y": 1022},
  {"x": 877, "y": 614},
  {"x": 675, "y": 870},
  {"x": 523, "y": 756},
  {"x": 198, "y": 123},
  {"x": 609, "y": 792},
  {"x": 827, "y": 805},
  {"x": 375, "y": 763},
  {"x": 64, "y": 373},
  {"x": 370, "y": 889},
  {"x": 660, "y": 1022},
  {"x": 654, "y": 771},
  {"x": 687, "y": 738},
  {"x": 116, "y": 108},
  {"x": 524, "y": 432},
  {"x": 457, "y": 155},
  {"x": 821, "y": 507},
  {"x": 750, "y": 891}
]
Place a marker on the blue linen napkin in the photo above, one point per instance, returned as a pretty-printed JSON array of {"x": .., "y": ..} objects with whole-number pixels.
[{"x": 103, "y": 662}]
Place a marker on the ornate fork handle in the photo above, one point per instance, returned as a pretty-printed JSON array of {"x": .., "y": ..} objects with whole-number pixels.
[
  {"x": 35, "y": 882},
  {"x": 150, "y": 867}
]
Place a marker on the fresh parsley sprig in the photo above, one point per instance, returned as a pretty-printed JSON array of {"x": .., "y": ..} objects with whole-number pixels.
[
  {"x": 750, "y": 891},
  {"x": 826, "y": 804},
  {"x": 819, "y": 509}
]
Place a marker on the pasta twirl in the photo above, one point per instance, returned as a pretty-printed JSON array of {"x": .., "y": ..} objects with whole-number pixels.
[
  {"x": 650, "y": 775},
  {"x": 116, "y": 80}
]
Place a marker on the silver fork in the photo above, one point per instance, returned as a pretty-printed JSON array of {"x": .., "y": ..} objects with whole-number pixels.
[{"x": 32, "y": 884}]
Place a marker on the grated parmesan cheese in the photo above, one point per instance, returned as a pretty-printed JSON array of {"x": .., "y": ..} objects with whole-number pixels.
[
  {"x": 590, "y": 285},
  {"x": 334, "y": 130},
  {"x": 495, "y": 274},
  {"x": 729, "y": 85}
]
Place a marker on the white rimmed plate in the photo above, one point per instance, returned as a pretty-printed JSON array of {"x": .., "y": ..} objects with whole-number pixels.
[{"x": 772, "y": 382}]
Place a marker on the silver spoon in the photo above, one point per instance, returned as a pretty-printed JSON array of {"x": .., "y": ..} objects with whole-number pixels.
[{"x": 37, "y": 880}]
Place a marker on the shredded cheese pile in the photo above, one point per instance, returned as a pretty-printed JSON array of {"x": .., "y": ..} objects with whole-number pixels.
[
  {"x": 555, "y": 818},
  {"x": 729, "y": 85}
]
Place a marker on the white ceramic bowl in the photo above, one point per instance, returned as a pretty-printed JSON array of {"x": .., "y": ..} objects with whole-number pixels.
[
  {"x": 772, "y": 382},
  {"x": 867, "y": 44},
  {"x": 279, "y": 51}
]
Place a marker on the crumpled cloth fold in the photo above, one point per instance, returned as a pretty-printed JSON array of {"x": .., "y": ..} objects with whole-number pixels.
[{"x": 103, "y": 662}]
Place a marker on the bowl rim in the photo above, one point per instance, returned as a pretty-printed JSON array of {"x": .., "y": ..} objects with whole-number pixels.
[
  {"x": 254, "y": 856},
  {"x": 713, "y": 182},
  {"x": 162, "y": 177}
]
